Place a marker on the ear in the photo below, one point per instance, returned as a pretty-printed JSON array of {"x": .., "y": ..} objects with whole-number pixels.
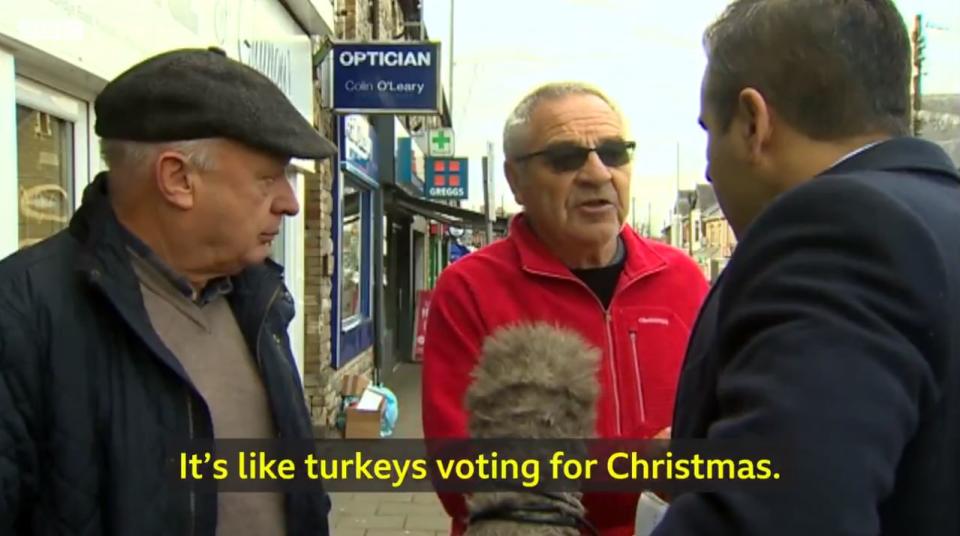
[
  {"x": 175, "y": 179},
  {"x": 513, "y": 179},
  {"x": 755, "y": 127}
]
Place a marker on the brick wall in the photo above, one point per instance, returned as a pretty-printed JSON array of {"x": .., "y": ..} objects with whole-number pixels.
[{"x": 354, "y": 20}]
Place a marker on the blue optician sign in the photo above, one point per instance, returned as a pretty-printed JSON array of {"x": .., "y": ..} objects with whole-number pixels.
[{"x": 386, "y": 78}]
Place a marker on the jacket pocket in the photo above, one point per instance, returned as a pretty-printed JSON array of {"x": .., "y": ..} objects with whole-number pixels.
[{"x": 653, "y": 341}]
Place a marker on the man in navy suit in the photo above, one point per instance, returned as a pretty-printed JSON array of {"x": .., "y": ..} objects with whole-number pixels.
[{"x": 835, "y": 328}]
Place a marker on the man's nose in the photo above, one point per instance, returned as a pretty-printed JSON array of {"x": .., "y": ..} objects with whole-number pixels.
[
  {"x": 594, "y": 170},
  {"x": 286, "y": 200}
]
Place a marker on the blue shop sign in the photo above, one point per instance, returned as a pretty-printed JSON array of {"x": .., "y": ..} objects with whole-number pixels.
[
  {"x": 387, "y": 78},
  {"x": 447, "y": 178},
  {"x": 410, "y": 164},
  {"x": 358, "y": 147}
]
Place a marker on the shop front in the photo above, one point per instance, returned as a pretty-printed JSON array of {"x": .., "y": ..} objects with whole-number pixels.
[
  {"x": 57, "y": 55},
  {"x": 353, "y": 191},
  {"x": 420, "y": 224}
]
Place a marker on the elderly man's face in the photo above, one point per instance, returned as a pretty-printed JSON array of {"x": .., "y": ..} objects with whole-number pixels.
[
  {"x": 570, "y": 200},
  {"x": 241, "y": 203}
]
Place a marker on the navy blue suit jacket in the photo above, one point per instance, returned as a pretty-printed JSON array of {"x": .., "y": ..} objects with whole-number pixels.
[{"x": 835, "y": 329}]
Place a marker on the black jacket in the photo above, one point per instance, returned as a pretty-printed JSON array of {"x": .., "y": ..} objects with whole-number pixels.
[
  {"x": 835, "y": 330},
  {"x": 90, "y": 398}
]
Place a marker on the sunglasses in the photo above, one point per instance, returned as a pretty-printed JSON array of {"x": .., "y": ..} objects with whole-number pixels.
[{"x": 564, "y": 157}]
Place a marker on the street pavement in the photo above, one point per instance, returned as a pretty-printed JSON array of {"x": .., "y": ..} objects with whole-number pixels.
[{"x": 393, "y": 514}]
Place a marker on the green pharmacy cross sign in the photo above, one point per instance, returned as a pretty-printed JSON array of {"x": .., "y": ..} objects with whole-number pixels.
[{"x": 441, "y": 142}]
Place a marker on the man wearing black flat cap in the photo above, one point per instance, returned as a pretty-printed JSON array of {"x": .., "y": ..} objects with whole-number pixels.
[{"x": 157, "y": 314}]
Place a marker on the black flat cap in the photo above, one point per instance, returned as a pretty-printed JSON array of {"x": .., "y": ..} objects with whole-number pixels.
[{"x": 201, "y": 93}]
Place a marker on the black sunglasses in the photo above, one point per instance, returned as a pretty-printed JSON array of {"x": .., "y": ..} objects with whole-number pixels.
[{"x": 563, "y": 157}]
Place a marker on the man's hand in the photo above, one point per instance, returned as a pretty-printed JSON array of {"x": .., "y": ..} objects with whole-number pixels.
[{"x": 663, "y": 434}]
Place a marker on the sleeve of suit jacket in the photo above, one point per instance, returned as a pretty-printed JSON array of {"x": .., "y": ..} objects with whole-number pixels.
[
  {"x": 18, "y": 390},
  {"x": 824, "y": 318}
]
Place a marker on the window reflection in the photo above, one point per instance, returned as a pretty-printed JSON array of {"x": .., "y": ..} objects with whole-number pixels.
[
  {"x": 352, "y": 260},
  {"x": 45, "y": 174}
]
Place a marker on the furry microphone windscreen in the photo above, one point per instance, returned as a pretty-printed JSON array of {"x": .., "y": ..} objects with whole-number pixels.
[{"x": 533, "y": 381}]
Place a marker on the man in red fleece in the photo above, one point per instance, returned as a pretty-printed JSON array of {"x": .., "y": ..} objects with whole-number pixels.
[{"x": 568, "y": 260}]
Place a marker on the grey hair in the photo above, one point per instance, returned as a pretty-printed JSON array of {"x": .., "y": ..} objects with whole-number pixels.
[
  {"x": 515, "y": 129},
  {"x": 135, "y": 154}
]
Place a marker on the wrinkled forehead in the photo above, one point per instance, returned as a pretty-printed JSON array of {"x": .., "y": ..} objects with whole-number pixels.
[{"x": 584, "y": 119}]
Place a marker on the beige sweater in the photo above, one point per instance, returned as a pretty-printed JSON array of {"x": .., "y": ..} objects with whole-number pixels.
[{"x": 211, "y": 348}]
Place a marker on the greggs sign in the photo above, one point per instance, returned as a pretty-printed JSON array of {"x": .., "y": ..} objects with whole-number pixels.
[{"x": 447, "y": 178}]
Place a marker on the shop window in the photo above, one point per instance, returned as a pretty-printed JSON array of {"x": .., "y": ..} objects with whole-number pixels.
[
  {"x": 355, "y": 271},
  {"x": 353, "y": 190},
  {"x": 356, "y": 241},
  {"x": 51, "y": 160},
  {"x": 44, "y": 173},
  {"x": 352, "y": 246}
]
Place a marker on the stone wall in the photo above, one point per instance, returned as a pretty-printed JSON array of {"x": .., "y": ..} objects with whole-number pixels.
[{"x": 355, "y": 21}]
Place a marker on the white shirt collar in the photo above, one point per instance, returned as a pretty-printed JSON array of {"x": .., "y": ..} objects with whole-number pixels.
[{"x": 855, "y": 152}]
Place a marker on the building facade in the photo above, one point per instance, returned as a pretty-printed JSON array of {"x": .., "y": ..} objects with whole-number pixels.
[
  {"x": 366, "y": 244},
  {"x": 57, "y": 55},
  {"x": 699, "y": 227}
]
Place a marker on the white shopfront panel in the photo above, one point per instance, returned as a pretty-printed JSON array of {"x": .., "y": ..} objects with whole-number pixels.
[{"x": 62, "y": 52}]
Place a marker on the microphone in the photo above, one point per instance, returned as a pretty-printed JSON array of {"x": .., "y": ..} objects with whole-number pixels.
[{"x": 533, "y": 381}]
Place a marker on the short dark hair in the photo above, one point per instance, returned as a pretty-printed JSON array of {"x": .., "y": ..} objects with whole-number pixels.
[{"x": 831, "y": 68}]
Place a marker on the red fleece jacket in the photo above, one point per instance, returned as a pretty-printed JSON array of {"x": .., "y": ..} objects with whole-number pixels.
[{"x": 643, "y": 336}]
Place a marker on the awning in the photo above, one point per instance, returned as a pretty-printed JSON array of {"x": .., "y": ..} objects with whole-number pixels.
[{"x": 456, "y": 216}]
